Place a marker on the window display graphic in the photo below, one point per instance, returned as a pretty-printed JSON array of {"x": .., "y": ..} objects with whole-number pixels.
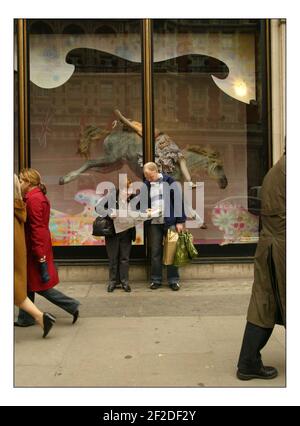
[
  {"x": 236, "y": 222},
  {"x": 86, "y": 117},
  {"x": 45, "y": 129},
  {"x": 77, "y": 229},
  {"x": 126, "y": 144},
  {"x": 49, "y": 69}
]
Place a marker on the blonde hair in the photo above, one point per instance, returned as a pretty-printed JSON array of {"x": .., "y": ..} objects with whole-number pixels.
[
  {"x": 152, "y": 167},
  {"x": 17, "y": 188},
  {"x": 33, "y": 177}
]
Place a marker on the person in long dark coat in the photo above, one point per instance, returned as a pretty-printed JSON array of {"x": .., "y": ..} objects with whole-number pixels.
[
  {"x": 267, "y": 303},
  {"x": 41, "y": 272}
]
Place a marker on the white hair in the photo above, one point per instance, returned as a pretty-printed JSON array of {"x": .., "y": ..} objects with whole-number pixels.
[{"x": 152, "y": 167}]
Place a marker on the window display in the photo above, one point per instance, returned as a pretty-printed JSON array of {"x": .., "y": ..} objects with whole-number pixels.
[
  {"x": 207, "y": 82},
  {"x": 78, "y": 75},
  {"x": 210, "y": 118}
]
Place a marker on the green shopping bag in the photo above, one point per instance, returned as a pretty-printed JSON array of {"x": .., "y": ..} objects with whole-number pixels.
[
  {"x": 181, "y": 255},
  {"x": 192, "y": 251}
]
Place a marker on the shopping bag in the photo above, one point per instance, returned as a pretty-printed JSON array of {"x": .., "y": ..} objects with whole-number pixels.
[
  {"x": 192, "y": 251},
  {"x": 170, "y": 242},
  {"x": 181, "y": 257}
]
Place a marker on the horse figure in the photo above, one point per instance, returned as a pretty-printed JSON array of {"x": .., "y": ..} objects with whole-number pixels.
[
  {"x": 203, "y": 158},
  {"x": 125, "y": 144}
]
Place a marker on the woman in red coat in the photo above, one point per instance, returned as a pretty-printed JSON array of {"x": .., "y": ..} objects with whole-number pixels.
[
  {"x": 41, "y": 272},
  {"x": 44, "y": 319}
]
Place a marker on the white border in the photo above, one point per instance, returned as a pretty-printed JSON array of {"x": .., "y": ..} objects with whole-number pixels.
[{"x": 148, "y": 396}]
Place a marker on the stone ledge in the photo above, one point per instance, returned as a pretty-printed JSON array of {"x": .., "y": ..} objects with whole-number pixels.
[{"x": 81, "y": 273}]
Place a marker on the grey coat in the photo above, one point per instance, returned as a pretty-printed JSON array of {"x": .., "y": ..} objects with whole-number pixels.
[{"x": 267, "y": 304}]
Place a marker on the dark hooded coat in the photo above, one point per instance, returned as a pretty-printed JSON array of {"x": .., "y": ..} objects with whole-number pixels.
[{"x": 267, "y": 304}]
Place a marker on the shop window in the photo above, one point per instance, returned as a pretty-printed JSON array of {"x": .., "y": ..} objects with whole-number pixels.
[
  {"x": 209, "y": 83},
  {"x": 79, "y": 76},
  {"x": 213, "y": 73}
]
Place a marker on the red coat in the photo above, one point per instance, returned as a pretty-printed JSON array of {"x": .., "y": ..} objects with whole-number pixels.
[{"x": 38, "y": 240}]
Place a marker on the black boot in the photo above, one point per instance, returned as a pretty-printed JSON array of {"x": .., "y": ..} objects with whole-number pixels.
[
  {"x": 263, "y": 373},
  {"x": 111, "y": 287},
  {"x": 250, "y": 365},
  {"x": 126, "y": 287}
]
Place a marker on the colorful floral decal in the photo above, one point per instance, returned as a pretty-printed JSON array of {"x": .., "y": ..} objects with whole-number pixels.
[
  {"x": 76, "y": 230},
  {"x": 238, "y": 225}
]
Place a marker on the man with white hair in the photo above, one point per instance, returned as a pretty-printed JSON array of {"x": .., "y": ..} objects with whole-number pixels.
[{"x": 166, "y": 207}]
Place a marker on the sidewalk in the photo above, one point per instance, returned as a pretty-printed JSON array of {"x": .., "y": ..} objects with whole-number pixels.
[{"x": 159, "y": 338}]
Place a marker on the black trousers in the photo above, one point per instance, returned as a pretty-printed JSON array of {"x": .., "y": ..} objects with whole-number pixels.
[
  {"x": 54, "y": 296},
  {"x": 157, "y": 233},
  {"x": 255, "y": 338},
  {"x": 118, "y": 250}
]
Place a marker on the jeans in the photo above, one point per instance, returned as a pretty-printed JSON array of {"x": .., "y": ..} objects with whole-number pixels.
[
  {"x": 255, "y": 338},
  {"x": 54, "y": 296},
  {"x": 118, "y": 250},
  {"x": 157, "y": 233}
]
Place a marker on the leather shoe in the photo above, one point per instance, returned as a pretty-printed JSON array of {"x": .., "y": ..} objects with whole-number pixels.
[
  {"x": 155, "y": 286},
  {"x": 263, "y": 373},
  {"x": 126, "y": 287},
  {"x": 48, "y": 321},
  {"x": 111, "y": 287},
  {"x": 75, "y": 316},
  {"x": 175, "y": 286}
]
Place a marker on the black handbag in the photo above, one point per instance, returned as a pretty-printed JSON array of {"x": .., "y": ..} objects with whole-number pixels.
[{"x": 103, "y": 226}]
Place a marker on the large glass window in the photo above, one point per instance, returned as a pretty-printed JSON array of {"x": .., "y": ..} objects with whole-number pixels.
[
  {"x": 81, "y": 71},
  {"x": 209, "y": 99}
]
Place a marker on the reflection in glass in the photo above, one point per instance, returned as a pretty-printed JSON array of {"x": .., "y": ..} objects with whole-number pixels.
[
  {"x": 80, "y": 71},
  {"x": 206, "y": 83}
]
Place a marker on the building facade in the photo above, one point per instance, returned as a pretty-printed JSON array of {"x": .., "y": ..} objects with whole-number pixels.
[{"x": 215, "y": 86}]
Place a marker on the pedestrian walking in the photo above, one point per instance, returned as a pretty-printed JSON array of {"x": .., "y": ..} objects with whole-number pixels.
[
  {"x": 267, "y": 303},
  {"x": 41, "y": 272},
  {"x": 44, "y": 319}
]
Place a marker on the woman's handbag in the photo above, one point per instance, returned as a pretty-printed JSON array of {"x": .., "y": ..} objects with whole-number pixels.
[
  {"x": 170, "y": 242},
  {"x": 103, "y": 226}
]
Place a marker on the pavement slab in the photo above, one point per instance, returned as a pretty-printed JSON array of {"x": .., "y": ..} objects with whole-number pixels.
[{"x": 161, "y": 338}]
